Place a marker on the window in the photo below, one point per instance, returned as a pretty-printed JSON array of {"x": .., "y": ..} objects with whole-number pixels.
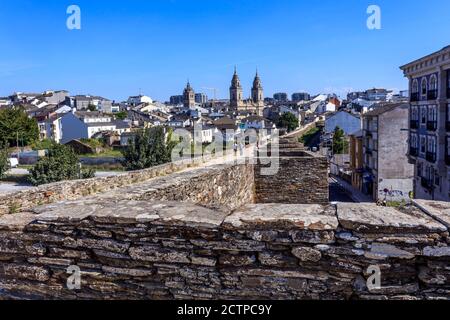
[
  {"x": 448, "y": 79},
  {"x": 433, "y": 82},
  {"x": 423, "y": 114},
  {"x": 423, "y": 144},
  {"x": 415, "y": 86},
  {"x": 432, "y": 113},
  {"x": 448, "y": 146},
  {"x": 424, "y": 86},
  {"x": 414, "y": 140},
  {"x": 431, "y": 144},
  {"x": 429, "y": 173},
  {"x": 414, "y": 113}
]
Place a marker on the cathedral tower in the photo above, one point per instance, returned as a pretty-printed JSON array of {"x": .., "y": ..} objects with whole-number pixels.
[
  {"x": 236, "y": 92},
  {"x": 188, "y": 96},
  {"x": 257, "y": 92}
]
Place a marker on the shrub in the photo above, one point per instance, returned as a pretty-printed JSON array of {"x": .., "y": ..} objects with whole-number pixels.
[
  {"x": 149, "y": 148},
  {"x": 60, "y": 164},
  {"x": 17, "y": 128},
  {"x": 42, "y": 145},
  {"x": 4, "y": 159},
  {"x": 288, "y": 121}
]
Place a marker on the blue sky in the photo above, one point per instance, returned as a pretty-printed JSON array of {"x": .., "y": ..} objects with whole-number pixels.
[{"x": 156, "y": 45}]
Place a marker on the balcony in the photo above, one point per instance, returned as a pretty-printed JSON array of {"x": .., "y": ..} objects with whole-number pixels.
[
  {"x": 431, "y": 157},
  {"x": 415, "y": 96},
  {"x": 413, "y": 152},
  {"x": 432, "y": 94},
  {"x": 431, "y": 125},
  {"x": 414, "y": 124},
  {"x": 427, "y": 184}
]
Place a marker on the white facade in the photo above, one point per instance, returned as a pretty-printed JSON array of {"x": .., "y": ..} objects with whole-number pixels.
[{"x": 137, "y": 100}]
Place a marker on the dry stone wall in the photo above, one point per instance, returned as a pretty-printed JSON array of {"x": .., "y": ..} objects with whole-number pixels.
[
  {"x": 301, "y": 180},
  {"x": 76, "y": 189},
  {"x": 135, "y": 249}
]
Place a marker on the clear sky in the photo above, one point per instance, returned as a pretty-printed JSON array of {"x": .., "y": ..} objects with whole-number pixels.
[{"x": 156, "y": 45}]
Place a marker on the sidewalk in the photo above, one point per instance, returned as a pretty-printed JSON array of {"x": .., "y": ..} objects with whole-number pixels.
[{"x": 356, "y": 195}]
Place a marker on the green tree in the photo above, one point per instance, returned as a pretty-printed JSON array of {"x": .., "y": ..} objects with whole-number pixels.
[
  {"x": 60, "y": 164},
  {"x": 340, "y": 143},
  {"x": 17, "y": 128},
  {"x": 149, "y": 148},
  {"x": 288, "y": 121},
  {"x": 92, "y": 108},
  {"x": 4, "y": 159},
  {"x": 122, "y": 115}
]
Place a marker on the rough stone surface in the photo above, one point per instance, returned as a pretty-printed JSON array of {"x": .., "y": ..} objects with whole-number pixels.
[
  {"x": 364, "y": 217},
  {"x": 198, "y": 234},
  {"x": 438, "y": 210},
  {"x": 130, "y": 249},
  {"x": 299, "y": 180}
]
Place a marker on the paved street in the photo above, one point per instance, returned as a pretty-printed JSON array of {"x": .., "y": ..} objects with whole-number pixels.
[{"x": 337, "y": 193}]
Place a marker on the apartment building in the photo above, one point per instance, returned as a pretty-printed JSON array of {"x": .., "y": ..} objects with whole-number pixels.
[
  {"x": 387, "y": 173},
  {"x": 356, "y": 159},
  {"x": 429, "y": 127}
]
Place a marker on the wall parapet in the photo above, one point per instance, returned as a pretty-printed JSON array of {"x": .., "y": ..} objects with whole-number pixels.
[
  {"x": 76, "y": 189},
  {"x": 132, "y": 249}
]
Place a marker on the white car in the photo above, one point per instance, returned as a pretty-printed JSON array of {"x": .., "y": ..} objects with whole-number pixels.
[{"x": 13, "y": 162}]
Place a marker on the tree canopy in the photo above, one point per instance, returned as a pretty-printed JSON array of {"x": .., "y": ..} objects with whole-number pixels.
[
  {"x": 148, "y": 148},
  {"x": 340, "y": 143},
  {"x": 17, "y": 128},
  {"x": 288, "y": 121}
]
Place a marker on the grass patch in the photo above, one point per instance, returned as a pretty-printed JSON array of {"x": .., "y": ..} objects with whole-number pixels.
[
  {"x": 105, "y": 154},
  {"x": 396, "y": 204}
]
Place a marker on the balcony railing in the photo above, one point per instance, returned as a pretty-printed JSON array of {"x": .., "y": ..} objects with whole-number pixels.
[
  {"x": 414, "y": 96},
  {"x": 432, "y": 94},
  {"x": 413, "y": 152},
  {"x": 426, "y": 183},
  {"x": 431, "y": 156},
  {"x": 414, "y": 124},
  {"x": 431, "y": 125}
]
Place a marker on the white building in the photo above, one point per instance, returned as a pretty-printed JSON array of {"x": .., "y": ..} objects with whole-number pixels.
[
  {"x": 51, "y": 129},
  {"x": 83, "y": 125},
  {"x": 140, "y": 99}
]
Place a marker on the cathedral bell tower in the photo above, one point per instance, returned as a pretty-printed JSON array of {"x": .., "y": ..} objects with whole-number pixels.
[
  {"x": 236, "y": 92},
  {"x": 188, "y": 96},
  {"x": 257, "y": 92}
]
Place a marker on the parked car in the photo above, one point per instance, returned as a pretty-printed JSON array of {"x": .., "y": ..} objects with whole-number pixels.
[{"x": 13, "y": 162}]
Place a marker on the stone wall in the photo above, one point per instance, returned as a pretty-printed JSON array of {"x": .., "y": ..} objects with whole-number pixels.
[
  {"x": 302, "y": 180},
  {"x": 130, "y": 249},
  {"x": 70, "y": 190}
]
